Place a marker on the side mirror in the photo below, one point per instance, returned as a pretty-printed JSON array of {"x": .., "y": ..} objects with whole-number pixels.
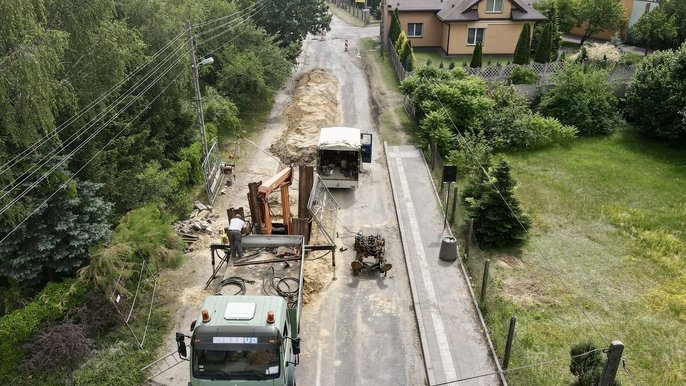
[
  {"x": 181, "y": 345},
  {"x": 296, "y": 346},
  {"x": 193, "y": 325}
]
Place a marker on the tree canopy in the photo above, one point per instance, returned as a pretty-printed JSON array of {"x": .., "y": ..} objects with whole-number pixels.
[{"x": 598, "y": 15}]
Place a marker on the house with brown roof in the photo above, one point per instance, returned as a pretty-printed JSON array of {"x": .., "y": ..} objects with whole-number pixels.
[{"x": 456, "y": 26}]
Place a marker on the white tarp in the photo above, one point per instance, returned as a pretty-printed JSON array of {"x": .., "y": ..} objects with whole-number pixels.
[{"x": 339, "y": 138}]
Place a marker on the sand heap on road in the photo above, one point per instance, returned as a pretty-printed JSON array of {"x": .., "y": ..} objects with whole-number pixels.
[{"x": 314, "y": 105}]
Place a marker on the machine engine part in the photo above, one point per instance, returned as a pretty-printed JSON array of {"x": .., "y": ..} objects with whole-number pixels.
[{"x": 370, "y": 246}]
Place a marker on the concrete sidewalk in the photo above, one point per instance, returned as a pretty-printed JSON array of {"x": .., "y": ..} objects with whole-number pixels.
[{"x": 453, "y": 341}]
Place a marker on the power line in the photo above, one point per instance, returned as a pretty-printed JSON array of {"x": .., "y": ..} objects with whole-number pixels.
[
  {"x": 82, "y": 144},
  {"x": 207, "y": 31},
  {"x": 243, "y": 21},
  {"x": 91, "y": 159},
  {"x": 18, "y": 158},
  {"x": 519, "y": 368},
  {"x": 490, "y": 180},
  {"x": 52, "y": 155},
  {"x": 223, "y": 17}
]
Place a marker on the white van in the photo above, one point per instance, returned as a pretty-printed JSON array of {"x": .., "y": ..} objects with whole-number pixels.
[{"x": 341, "y": 151}]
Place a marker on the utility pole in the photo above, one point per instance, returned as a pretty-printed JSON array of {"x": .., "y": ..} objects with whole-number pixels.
[
  {"x": 196, "y": 84},
  {"x": 614, "y": 355}
]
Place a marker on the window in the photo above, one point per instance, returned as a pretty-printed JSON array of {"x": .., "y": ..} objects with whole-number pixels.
[
  {"x": 414, "y": 29},
  {"x": 475, "y": 35},
  {"x": 493, "y": 6}
]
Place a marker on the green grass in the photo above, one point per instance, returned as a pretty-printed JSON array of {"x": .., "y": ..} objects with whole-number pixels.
[
  {"x": 609, "y": 238},
  {"x": 424, "y": 54}
]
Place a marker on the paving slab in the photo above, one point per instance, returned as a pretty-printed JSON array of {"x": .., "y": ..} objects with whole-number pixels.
[{"x": 456, "y": 350}]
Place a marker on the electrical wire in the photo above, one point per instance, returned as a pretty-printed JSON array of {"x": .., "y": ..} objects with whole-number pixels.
[
  {"x": 631, "y": 378},
  {"x": 22, "y": 155},
  {"x": 490, "y": 180},
  {"x": 64, "y": 184},
  {"x": 518, "y": 368},
  {"x": 276, "y": 286},
  {"x": 222, "y": 17},
  {"x": 243, "y": 21},
  {"x": 46, "y": 160},
  {"x": 207, "y": 31},
  {"x": 77, "y": 134}
]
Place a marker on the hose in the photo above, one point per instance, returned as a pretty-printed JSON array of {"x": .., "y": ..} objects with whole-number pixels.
[
  {"x": 276, "y": 286},
  {"x": 234, "y": 281}
]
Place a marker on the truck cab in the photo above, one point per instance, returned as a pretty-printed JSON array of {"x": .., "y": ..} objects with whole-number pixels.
[
  {"x": 243, "y": 340},
  {"x": 341, "y": 152}
]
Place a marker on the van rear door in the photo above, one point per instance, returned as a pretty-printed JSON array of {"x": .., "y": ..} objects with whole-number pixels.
[{"x": 366, "y": 147}]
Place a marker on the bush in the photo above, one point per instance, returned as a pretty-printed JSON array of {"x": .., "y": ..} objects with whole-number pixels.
[
  {"x": 656, "y": 97},
  {"x": 582, "y": 98},
  {"x": 476, "y": 57},
  {"x": 523, "y": 75},
  {"x": 602, "y": 54},
  {"x": 57, "y": 346},
  {"x": 587, "y": 367},
  {"x": 50, "y": 304},
  {"x": 469, "y": 146},
  {"x": 630, "y": 59}
]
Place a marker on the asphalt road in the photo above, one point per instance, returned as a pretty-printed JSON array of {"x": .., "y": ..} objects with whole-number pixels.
[{"x": 361, "y": 330}]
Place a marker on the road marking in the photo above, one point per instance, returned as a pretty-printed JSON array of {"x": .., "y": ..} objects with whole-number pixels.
[
  {"x": 318, "y": 378},
  {"x": 437, "y": 320}
]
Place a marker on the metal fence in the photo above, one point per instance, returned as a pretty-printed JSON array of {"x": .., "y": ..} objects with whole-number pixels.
[
  {"x": 324, "y": 210},
  {"x": 213, "y": 172}
]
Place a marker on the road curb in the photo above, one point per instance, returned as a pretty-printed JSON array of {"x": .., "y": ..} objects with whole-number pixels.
[{"x": 428, "y": 365}]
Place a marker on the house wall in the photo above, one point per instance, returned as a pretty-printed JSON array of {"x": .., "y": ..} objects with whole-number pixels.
[
  {"x": 639, "y": 9},
  {"x": 432, "y": 29},
  {"x": 505, "y": 14},
  {"x": 500, "y": 37}
]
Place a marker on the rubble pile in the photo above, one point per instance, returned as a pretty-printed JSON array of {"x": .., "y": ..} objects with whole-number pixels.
[{"x": 199, "y": 222}]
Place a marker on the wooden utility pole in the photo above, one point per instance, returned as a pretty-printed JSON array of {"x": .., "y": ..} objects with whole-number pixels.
[
  {"x": 196, "y": 85},
  {"x": 614, "y": 355},
  {"x": 508, "y": 344},
  {"x": 484, "y": 282}
]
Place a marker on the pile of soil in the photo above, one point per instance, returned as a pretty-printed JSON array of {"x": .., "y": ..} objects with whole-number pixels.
[
  {"x": 314, "y": 105},
  {"x": 318, "y": 272}
]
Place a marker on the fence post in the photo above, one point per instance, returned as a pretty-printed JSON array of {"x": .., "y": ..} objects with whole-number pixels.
[
  {"x": 469, "y": 238},
  {"x": 614, "y": 354},
  {"x": 434, "y": 156},
  {"x": 484, "y": 282},
  {"x": 454, "y": 209},
  {"x": 508, "y": 344}
]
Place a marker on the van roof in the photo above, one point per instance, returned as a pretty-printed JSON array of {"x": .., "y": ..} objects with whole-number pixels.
[{"x": 339, "y": 138}]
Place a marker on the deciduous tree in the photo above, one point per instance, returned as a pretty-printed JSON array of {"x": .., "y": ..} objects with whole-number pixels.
[
  {"x": 598, "y": 15},
  {"x": 655, "y": 30}
]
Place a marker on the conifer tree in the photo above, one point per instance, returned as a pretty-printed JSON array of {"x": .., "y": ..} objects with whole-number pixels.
[
  {"x": 542, "y": 54},
  {"x": 395, "y": 28},
  {"x": 523, "y": 50},
  {"x": 555, "y": 33},
  {"x": 476, "y": 56},
  {"x": 498, "y": 219}
]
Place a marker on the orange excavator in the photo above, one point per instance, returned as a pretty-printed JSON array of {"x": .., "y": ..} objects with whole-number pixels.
[{"x": 282, "y": 181}]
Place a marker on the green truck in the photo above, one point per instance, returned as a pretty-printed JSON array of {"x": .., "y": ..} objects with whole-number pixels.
[{"x": 251, "y": 339}]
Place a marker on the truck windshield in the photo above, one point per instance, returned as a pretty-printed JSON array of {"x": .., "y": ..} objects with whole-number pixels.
[{"x": 246, "y": 362}]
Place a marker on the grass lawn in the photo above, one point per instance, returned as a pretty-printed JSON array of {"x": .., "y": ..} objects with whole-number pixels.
[
  {"x": 423, "y": 54},
  {"x": 606, "y": 261}
]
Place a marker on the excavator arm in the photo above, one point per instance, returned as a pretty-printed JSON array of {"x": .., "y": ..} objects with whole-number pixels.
[{"x": 282, "y": 181}]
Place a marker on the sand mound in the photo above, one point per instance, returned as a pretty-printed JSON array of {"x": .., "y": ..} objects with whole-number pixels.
[
  {"x": 318, "y": 272},
  {"x": 314, "y": 105}
]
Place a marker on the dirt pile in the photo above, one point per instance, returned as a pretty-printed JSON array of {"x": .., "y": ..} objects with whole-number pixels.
[
  {"x": 318, "y": 272},
  {"x": 314, "y": 105}
]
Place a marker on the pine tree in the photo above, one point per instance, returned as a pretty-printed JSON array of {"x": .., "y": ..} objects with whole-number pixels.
[
  {"x": 498, "y": 220},
  {"x": 523, "y": 50},
  {"x": 476, "y": 56},
  {"x": 395, "y": 28},
  {"x": 542, "y": 54}
]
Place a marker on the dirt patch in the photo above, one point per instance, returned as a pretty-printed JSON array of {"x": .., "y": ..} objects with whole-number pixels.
[
  {"x": 524, "y": 291},
  {"x": 508, "y": 261},
  {"x": 318, "y": 271},
  {"x": 194, "y": 296},
  {"x": 314, "y": 105}
]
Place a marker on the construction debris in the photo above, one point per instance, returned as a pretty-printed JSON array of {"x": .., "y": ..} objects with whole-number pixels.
[{"x": 199, "y": 222}]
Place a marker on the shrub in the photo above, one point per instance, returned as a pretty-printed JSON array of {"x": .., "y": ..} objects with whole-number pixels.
[
  {"x": 586, "y": 367},
  {"x": 468, "y": 148},
  {"x": 604, "y": 53},
  {"x": 630, "y": 58},
  {"x": 656, "y": 97},
  {"x": 476, "y": 56},
  {"x": 582, "y": 98},
  {"x": 50, "y": 304},
  {"x": 57, "y": 346},
  {"x": 523, "y": 75},
  {"x": 548, "y": 131},
  {"x": 452, "y": 65},
  {"x": 429, "y": 62}
]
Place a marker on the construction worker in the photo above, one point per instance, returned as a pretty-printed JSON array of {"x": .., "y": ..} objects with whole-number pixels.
[{"x": 236, "y": 226}]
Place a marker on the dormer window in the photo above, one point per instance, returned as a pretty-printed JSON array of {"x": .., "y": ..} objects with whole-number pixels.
[{"x": 494, "y": 6}]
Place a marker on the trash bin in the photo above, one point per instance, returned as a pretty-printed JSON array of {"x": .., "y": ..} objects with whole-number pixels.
[{"x": 448, "y": 249}]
